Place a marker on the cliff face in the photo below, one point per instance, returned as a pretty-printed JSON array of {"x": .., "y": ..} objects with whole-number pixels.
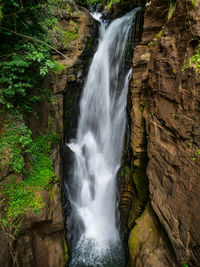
[
  {"x": 40, "y": 238},
  {"x": 165, "y": 112}
]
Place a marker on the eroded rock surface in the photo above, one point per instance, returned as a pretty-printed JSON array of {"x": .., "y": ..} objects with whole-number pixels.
[
  {"x": 147, "y": 242},
  {"x": 42, "y": 239},
  {"x": 168, "y": 99}
]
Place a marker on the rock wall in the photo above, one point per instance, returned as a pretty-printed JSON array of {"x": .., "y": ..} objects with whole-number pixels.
[
  {"x": 42, "y": 237},
  {"x": 165, "y": 113}
]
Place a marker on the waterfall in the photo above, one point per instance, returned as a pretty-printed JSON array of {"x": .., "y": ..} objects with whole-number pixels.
[{"x": 97, "y": 150}]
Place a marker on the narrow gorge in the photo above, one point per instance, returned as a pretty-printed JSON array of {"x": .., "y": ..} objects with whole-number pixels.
[{"x": 100, "y": 133}]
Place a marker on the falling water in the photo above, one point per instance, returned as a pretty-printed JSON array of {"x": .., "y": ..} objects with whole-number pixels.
[{"x": 98, "y": 150}]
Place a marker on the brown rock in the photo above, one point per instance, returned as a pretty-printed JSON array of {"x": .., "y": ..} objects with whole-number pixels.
[
  {"x": 49, "y": 249},
  {"x": 147, "y": 243},
  {"x": 168, "y": 100}
]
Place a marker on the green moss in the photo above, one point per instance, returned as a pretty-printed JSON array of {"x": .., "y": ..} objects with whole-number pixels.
[
  {"x": 68, "y": 101},
  {"x": 38, "y": 173},
  {"x": 138, "y": 231},
  {"x": 125, "y": 171},
  {"x": 89, "y": 43},
  {"x": 145, "y": 237},
  {"x": 66, "y": 255}
]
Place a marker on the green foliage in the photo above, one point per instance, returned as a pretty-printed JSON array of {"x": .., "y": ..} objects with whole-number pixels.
[
  {"x": 15, "y": 139},
  {"x": 174, "y": 115},
  {"x": 23, "y": 60},
  {"x": 184, "y": 265},
  {"x": 171, "y": 10},
  {"x": 88, "y": 3},
  {"x": 17, "y": 79},
  {"x": 19, "y": 195},
  {"x": 111, "y": 2},
  {"x": 194, "y": 2},
  {"x": 70, "y": 34},
  {"x": 158, "y": 35},
  {"x": 193, "y": 62},
  {"x": 197, "y": 153}
]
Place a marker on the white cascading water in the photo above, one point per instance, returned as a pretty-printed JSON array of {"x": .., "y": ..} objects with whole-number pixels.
[{"x": 92, "y": 187}]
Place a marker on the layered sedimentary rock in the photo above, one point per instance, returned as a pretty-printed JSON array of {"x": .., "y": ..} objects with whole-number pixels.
[{"x": 166, "y": 100}]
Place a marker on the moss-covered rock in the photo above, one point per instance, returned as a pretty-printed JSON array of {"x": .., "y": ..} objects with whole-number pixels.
[{"x": 147, "y": 242}]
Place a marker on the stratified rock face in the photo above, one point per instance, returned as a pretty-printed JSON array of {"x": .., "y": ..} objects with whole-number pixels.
[{"x": 168, "y": 99}]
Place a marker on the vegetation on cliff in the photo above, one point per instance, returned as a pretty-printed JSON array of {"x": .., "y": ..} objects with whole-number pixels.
[
  {"x": 16, "y": 147},
  {"x": 25, "y": 47},
  {"x": 25, "y": 59}
]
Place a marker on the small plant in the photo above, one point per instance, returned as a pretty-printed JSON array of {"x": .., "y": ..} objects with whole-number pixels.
[
  {"x": 111, "y": 2},
  {"x": 194, "y": 2},
  {"x": 197, "y": 153},
  {"x": 171, "y": 10},
  {"x": 194, "y": 62},
  {"x": 158, "y": 35},
  {"x": 150, "y": 43}
]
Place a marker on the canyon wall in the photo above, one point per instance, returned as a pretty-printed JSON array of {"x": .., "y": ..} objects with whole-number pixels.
[
  {"x": 159, "y": 178},
  {"x": 41, "y": 237},
  {"x": 165, "y": 127}
]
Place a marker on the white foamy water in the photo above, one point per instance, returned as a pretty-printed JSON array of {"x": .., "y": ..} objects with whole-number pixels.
[{"x": 98, "y": 148}]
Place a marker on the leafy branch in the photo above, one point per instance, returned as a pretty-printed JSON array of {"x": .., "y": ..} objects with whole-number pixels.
[{"x": 35, "y": 40}]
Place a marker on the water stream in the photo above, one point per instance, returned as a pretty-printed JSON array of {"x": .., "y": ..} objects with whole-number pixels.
[{"x": 97, "y": 150}]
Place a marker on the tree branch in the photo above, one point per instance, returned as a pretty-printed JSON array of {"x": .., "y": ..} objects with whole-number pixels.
[{"x": 35, "y": 40}]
